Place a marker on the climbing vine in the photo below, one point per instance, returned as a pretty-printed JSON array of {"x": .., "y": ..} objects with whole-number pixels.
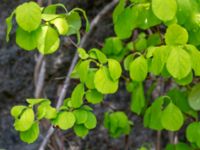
[{"x": 155, "y": 40}]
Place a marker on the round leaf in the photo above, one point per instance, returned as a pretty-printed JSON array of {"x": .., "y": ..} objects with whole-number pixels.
[
  {"x": 165, "y": 10},
  {"x": 28, "y": 16},
  {"x": 138, "y": 69},
  {"x": 94, "y": 97},
  {"x": 25, "y": 121},
  {"x": 176, "y": 35},
  {"x": 179, "y": 63},
  {"x": 26, "y": 40},
  {"x": 30, "y": 135},
  {"x": 104, "y": 83},
  {"x": 81, "y": 116},
  {"x": 61, "y": 25},
  {"x": 91, "y": 121},
  {"x": 114, "y": 68},
  {"x": 48, "y": 40},
  {"x": 66, "y": 120},
  {"x": 81, "y": 130},
  {"x": 194, "y": 97},
  {"x": 172, "y": 118}
]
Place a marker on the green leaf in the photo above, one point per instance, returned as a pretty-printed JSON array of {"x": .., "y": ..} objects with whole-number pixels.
[
  {"x": 34, "y": 101},
  {"x": 48, "y": 40},
  {"x": 42, "y": 109},
  {"x": 81, "y": 116},
  {"x": 25, "y": 121},
  {"x": 154, "y": 39},
  {"x": 164, "y": 10},
  {"x": 114, "y": 68},
  {"x": 9, "y": 25},
  {"x": 80, "y": 130},
  {"x": 153, "y": 114},
  {"x": 172, "y": 118},
  {"x": 97, "y": 54},
  {"x": 138, "y": 101},
  {"x": 82, "y": 53},
  {"x": 51, "y": 9},
  {"x": 195, "y": 58},
  {"x": 194, "y": 97},
  {"x": 17, "y": 110},
  {"x": 74, "y": 21},
  {"x": 178, "y": 146},
  {"x": 85, "y": 17},
  {"x": 91, "y": 121},
  {"x": 89, "y": 82},
  {"x": 123, "y": 26},
  {"x": 83, "y": 69},
  {"x": 28, "y": 16},
  {"x": 66, "y": 120},
  {"x": 94, "y": 97},
  {"x": 127, "y": 61},
  {"x": 160, "y": 56},
  {"x": 104, "y": 83},
  {"x": 180, "y": 99},
  {"x": 179, "y": 63},
  {"x": 77, "y": 96},
  {"x": 26, "y": 40},
  {"x": 62, "y": 25},
  {"x": 112, "y": 46},
  {"x": 193, "y": 132},
  {"x": 139, "y": 69},
  {"x": 185, "y": 81},
  {"x": 118, "y": 10},
  {"x": 176, "y": 35},
  {"x": 31, "y": 134}
]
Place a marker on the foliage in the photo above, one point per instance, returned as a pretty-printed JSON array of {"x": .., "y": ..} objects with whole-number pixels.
[{"x": 164, "y": 48}]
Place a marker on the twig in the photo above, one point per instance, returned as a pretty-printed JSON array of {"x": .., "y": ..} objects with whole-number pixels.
[{"x": 94, "y": 23}]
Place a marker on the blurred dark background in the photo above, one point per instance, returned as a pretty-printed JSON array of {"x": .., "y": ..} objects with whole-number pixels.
[{"x": 16, "y": 84}]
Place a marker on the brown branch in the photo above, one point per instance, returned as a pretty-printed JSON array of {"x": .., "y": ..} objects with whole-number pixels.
[{"x": 94, "y": 23}]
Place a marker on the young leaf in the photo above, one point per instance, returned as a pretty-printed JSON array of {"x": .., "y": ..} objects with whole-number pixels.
[
  {"x": 25, "y": 121},
  {"x": 33, "y": 101},
  {"x": 28, "y": 16},
  {"x": 83, "y": 69},
  {"x": 9, "y": 25},
  {"x": 94, "y": 97},
  {"x": 118, "y": 10},
  {"x": 114, "y": 68},
  {"x": 89, "y": 82},
  {"x": 194, "y": 97},
  {"x": 193, "y": 132},
  {"x": 195, "y": 57},
  {"x": 74, "y": 21},
  {"x": 176, "y": 35},
  {"x": 179, "y": 63},
  {"x": 80, "y": 130},
  {"x": 81, "y": 116},
  {"x": 172, "y": 118},
  {"x": 48, "y": 40},
  {"x": 66, "y": 120},
  {"x": 62, "y": 25},
  {"x": 26, "y": 40},
  {"x": 127, "y": 61},
  {"x": 97, "y": 54},
  {"x": 31, "y": 134},
  {"x": 91, "y": 121},
  {"x": 104, "y": 83},
  {"x": 138, "y": 69},
  {"x": 17, "y": 110},
  {"x": 77, "y": 96},
  {"x": 153, "y": 114},
  {"x": 82, "y": 53},
  {"x": 164, "y": 10},
  {"x": 138, "y": 99},
  {"x": 185, "y": 81}
]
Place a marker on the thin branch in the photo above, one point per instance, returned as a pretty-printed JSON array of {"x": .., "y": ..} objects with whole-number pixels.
[{"x": 94, "y": 23}]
